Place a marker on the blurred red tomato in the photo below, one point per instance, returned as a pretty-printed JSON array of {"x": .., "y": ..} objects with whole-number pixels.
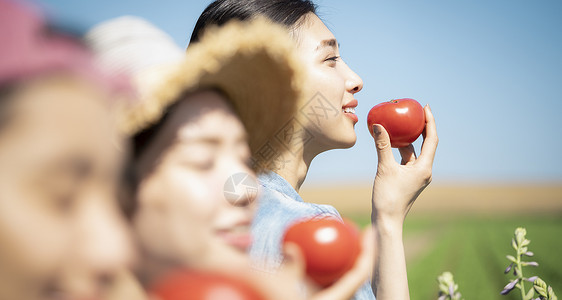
[
  {"x": 403, "y": 119},
  {"x": 191, "y": 285},
  {"x": 329, "y": 246}
]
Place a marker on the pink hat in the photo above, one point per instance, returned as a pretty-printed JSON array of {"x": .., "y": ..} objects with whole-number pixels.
[{"x": 28, "y": 48}]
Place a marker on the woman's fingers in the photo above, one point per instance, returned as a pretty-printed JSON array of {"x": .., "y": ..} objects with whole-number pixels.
[
  {"x": 294, "y": 264},
  {"x": 286, "y": 283},
  {"x": 351, "y": 281},
  {"x": 382, "y": 144},
  {"x": 430, "y": 139},
  {"x": 408, "y": 154}
]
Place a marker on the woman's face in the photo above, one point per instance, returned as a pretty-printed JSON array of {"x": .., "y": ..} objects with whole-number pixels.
[
  {"x": 329, "y": 110},
  {"x": 184, "y": 216},
  {"x": 61, "y": 233}
]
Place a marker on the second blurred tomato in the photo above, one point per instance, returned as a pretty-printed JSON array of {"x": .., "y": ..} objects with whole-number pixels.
[
  {"x": 330, "y": 247},
  {"x": 191, "y": 285}
]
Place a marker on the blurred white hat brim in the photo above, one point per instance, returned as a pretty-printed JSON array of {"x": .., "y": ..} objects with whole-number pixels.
[{"x": 132, "y": 45}]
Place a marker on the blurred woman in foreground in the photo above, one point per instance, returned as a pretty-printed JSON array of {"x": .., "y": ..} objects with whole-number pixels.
[{"x": 61, "y": 233}]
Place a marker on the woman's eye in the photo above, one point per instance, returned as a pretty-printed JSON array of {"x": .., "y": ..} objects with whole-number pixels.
[
  {"x": 200, "y": 165},
  {"x": 205, "y": 165},
  {"x": 61, "y": 194},
  {"x": 197, "y": 157},
  {"x": 332, "y": 60}
]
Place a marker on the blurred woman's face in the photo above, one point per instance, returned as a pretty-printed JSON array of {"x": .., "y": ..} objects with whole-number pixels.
[
  {"x": 330, "y": 108},
  {"x": 61, "y": 234},
  {"x": 183, "y": 216}
]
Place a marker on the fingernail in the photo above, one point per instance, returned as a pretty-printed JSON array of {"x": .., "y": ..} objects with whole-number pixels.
[{"x": 376, "y": 129}]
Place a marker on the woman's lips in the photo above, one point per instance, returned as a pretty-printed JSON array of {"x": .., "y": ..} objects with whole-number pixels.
[
  {"x": 237, "y": 235},
  {"x": 352, "y": 116},
  {"x": 349, "y": 110},
  {"x": 353, "y": 103},
  {"x": 237, "y": 239}
]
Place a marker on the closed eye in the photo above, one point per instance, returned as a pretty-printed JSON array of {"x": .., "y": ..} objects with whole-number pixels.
[
  {"x": 333, "y": 58},
  {"x": 331, "y": 61}
]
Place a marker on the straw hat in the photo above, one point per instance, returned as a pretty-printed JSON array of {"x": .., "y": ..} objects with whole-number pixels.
[{"x": 252, "y": 63}]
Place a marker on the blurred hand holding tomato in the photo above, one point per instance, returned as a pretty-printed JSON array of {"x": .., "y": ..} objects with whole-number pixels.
[
  {"x": 330, "y": 247},
  {"x": 328, "y": 283}
]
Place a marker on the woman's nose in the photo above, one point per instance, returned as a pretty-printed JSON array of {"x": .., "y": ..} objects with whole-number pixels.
[
  {"x": 102, "y": 249},
  {"x": 105, "y": 241},
  {"x": 354, "y": 83}
]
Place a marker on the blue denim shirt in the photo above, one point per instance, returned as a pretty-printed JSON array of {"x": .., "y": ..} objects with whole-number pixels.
[{"x": 279, "y": 206}]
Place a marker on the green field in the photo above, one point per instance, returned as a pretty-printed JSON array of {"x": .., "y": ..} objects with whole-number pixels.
[{"x": 474, "y": 249}]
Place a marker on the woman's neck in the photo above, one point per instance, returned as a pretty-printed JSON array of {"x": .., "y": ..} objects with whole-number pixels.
[{"x": 293, "y": 165}]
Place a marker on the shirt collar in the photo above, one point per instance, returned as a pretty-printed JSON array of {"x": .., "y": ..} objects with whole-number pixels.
[{"x": 274, "y": 181}]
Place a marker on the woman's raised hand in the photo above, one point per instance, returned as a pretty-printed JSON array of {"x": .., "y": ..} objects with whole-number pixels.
[
  {"x": 395, "y": 189},
  {"x": 396, "y": 185}
]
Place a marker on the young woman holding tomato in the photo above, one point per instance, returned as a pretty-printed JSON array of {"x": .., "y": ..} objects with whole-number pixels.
[
  {"x": 62, "y": 235},
  {"x": 331, "y": 85},
  {"x": 183, "y": 158}
]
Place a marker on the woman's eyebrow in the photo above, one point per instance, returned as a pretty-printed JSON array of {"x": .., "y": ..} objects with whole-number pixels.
[{"x": 331, "y": 43}]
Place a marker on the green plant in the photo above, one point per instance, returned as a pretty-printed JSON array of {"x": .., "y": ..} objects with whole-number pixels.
[
  {"x": 519, "y": 243},
  {"x": 545, "y": 292},
  {"x": 448, "y": 289}
]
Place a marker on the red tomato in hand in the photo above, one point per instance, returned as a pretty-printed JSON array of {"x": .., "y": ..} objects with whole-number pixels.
[
  {"x": 329, "y": 246},
  {"x": 403, "y": 119},
  {"x": 190, "y": 285}
]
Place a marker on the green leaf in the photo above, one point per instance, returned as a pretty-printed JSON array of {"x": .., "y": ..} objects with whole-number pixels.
[
  {"x": 551, "y": 294},
  {"x": 540, "y": 283},
  {"x": 540, "y": 290},
  {"x": 530, "y": 294},
  {"x": 520, "y": 233},
  {"x": 540, "y": 286}
]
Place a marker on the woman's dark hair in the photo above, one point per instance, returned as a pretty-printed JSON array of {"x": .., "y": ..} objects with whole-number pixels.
[
  {"x": 285, "y": 12},
  {"x": 131, "y": 180}
]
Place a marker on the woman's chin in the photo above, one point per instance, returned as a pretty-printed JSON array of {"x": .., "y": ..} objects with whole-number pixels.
[
  {"x": 347, "y": 140},
  {"x": 340, "y": 142},
  {"x": 348, "y": 144},
  {"x": 224, "y": 255}
]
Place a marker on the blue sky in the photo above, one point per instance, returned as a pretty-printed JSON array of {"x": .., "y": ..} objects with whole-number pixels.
[{"x": 491, "y": 71}]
